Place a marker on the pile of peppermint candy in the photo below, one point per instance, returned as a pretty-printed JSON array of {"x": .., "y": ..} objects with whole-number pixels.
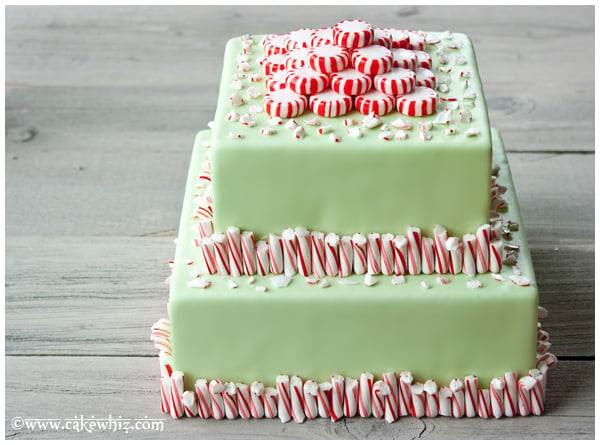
[{"x": 352, "y": 64}]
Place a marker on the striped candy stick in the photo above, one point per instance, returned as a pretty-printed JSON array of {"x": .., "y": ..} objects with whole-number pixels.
[
  {"x": 248, "y": 253},
  {"x": 497, "y": 386},
  {"x": 359, "y": 245},
  {"x": 221, "y": 253},
  {"x": 234, "y": 248},
  {"x": 284, "y": 405},
  {"x": 165, "y": 394},
  {"x": 471, "y": 382},
  {"x": 379, "y": 395},
  {"x": 511, "y": 403},
  {"x": 304, "y": 259},
  {"x": 297, "y": 399},
  {"x": 262, "y": 258},
  {"x": 470, "y": 254},
  {"x": 428, "y": 259},
  {"x": 445, "y": 401},
  {"x": 440, "y": 237},
  {"x": 230, "y": 400},
  {"x": 525, "y": 385},
  {"x": 208, "y": 255},
  {"x": 275, "y": 254},
  {"x": 365, "y": 390},
  {"x": 483, "y": 248},
  {"x": 290, "y": 252},
  {"x": 332, "y": 259},
  {"x": 537, "y": 392},
  {"x": 324, "y": 399},
  {"x": 337, "y": 397},
  {"x": 458, "y": 397},
  {"x": 190, "y": 406},
  {"x": 484, "y": 408},
  {"x": 311, "y": 396},
  {"x": 243, "y": 401},
  {"x": 216, "y": 389},
  {"x": 496, "y": 256},
  {"x": 400, "y": 255},
  {"x": 405, "y": 396},
  {"x": 373, "y": 253},
  {"x": 346, "y": 256},
  {"x": 204, "y": 399},
  {"x": 454, "y": 246},
  {"x": 414, "y": 250},
  {"x": 351, "y": 397},
  {"x": 432, "y": 401},
  {"x": 177, "y": 388},
  {"x": 271, "y": 400},
  {"x": 392, "y": 400},
  {"x": 387, "y": 254},
  {"x": 318, "y": 254},
  {"x": 418, "y": 400},
  {"x": 257, "y": 403}
]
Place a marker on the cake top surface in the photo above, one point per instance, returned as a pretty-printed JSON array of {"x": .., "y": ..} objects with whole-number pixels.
[{"x": 432, "y": 75}]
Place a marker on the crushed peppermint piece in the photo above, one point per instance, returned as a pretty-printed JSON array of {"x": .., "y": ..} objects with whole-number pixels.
[
  {"x": 371, "y": 121},
  {"x": 281, "y": 280},
  {"x": 236, "y": 99},
  {"x": 232, "y": 284},
  {"x": 401, "y": 135},
  {"x": 449, "y": 131},
  {"x": 325, "y": 129},
  {"x": 370, "y": 280},
  {"x": 261, "y": 289},
  {"x": 267, "y": 131},
  {"x": 471, "y": 132},
  {"x": 443, "y": 118},
  {"x": 247, "y": 120},
  {"x": 355, "y": 132},
  {"x": 425, "y": 285},
  {"x": 426, "y": 135},
  {"x": 385, "y": 135},
  {"x": 513, "y": 226},
  {"x": 474, "y": 284},
  {"x": 299, "y": 132},
  {"x": 324, "y": 284},
  {"x": 471, "y": 95},
  {"x": 333, "y": 137},
  {"x": 251, "y": 280},
  {"x": 442, "y": 280},
  {"x": 432, "y": 39},
  {"x": 465, "y": 116},
  {"x": 425, "y": 125},
  {"x": 542, "y": 312},
  {"x": 497, "y": 277},
  {"x": 255, "y": 109},
  {"x": 516, "y": 270},
  {"x": 520, "y": 280},
  {"x": 314, "y": 122},
  {"x": 399, "y": 279},
  {"x": 291, "y": 124},
  {"x": 253, "y": 93},
  {"x": 401, "y": 124},
  {"x": 233, "y": 135},
  {"x": 349, "y": 122},
  {"x": 201, "y": 283},
  {"x": 460, "y": 60},
  {"x": 233, "y": 116},
  {"x": 312, "y": 280},
  {"x": 255, "y": 77},
  {"x": 237, "y": 85}
]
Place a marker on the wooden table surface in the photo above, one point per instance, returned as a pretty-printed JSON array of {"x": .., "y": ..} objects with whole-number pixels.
[{"x": 102, "y": 105}]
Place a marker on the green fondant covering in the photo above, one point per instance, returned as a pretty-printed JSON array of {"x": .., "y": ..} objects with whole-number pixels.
[
  {"x": 359, "y": 184},
  {"x": 448, "y": 331}
]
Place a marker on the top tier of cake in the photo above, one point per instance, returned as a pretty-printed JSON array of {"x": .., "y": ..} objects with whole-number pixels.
[{"x": 368, "y": 170}]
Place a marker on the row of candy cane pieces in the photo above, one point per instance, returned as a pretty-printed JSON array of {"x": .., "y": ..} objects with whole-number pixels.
[
  {"x": 301, "y": 251},
  {"x": 392, "y": 397}
]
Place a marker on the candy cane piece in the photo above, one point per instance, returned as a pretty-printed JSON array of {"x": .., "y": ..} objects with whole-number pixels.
[
  {"x": 351, "y": 397},
  {"x": 445, "y": 399},
  {"x": 165, "y": 394},
  {"x": 365, "y": 390},
  {"x": 537, "y": 392},
  {"x": 458, "y": 397},
  {"x": 332, "y": 261},
  {"x": 483, "y": 403},
  {"x": 243, "y": 401},
  {"x": 525, "y": 385},
  {"x": 208, "y": 255},
  {"x": 387, "y": 254},
  {"x": 374, "y": 253},
  {"x": 304, "y": 259},
  {"x": 190, "y": 407},
  {"x": 204, "y": 399},
  {"x": 496, "y": 256},
  {"x": 497, "y": 386},
  {"x": 230, "y": 400},
  {"x": 235, "y": 251},
  {"x": 262, "y": 258},
  {"x": 275, "y": 254},
  {"x": 418, "y": 400},
  {"x": 380, "y": 393},
  {"x": 318, "y": 254},
  {"x": 483, "y": 248},
  {"x": 297, "y": 399},
  {"x": 324, "y": 399},
  {"x": 216, "y": 389},
  {"x": 270, "y": 398},
  {"x": 400, "y": 255},
  {"x": 257, "y": 403},
  {"x": 177, "y": 388},
  {"x": 414, "y": 250},
  {"x": 427, "y": 256},
  {"x": 221, "y": 253},
  {"x": 471, "y": 395},
  {"x": 311, "y": 394},
  {"x": 248, "y": 253},
  {"x": 405, "y": 395},
  {"x": 359, "y": 243},
  {"x": 290, "y": 252},
  {"x": 346, "y": 256},
  {"x": 337, "y": 397},
  {"x": 432, "y": 402},
  {"x": 510, "y": 394},
  {"x": 440, "y": 236},
  {"x": 391, "y": 400},
  {"x": 455, "y": 255},
  {"x": 469, "y": 254},
  {"x": 284, "y": 405}
]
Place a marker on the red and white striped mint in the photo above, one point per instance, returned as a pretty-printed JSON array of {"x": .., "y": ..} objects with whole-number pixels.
[
  {"x": 382, "y": 37},
  {"x": 425, "y": 78},
  {"x": 396, "y": 81},
  {"x": 424, "y": 59},
  {"x": 298, "y": 39},
  {"x": 404, "y": 58},
  {"x": 353, "y": 34},
  {"x": 273, "y": 63},
  {"x": 274, "y": 44},
  {"x": 350, "y": 82},
  {"x": 284, "y": 103},
  {"x": 374, "y": 102},
  {"x": 330, "y": 104},
  {"x": 276, "y": 80},
  {"x": 400, "y": 38},
  {"x": 374, "y": 59},
  {"x": 421, "y": 102},
  {"x": 321, "y": 36},
  {"x": 416, "y": 40},
  {"x": 306, "y": 81},
  {"x": 328, "y": 58},
  {"x": 296, "y": 58}
]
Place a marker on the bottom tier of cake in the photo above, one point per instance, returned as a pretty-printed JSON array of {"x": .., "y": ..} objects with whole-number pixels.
[{"x": 431, "y": 327}]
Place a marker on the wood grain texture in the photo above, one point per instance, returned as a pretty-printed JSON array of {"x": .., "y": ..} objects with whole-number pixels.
[{"x": 101, "y": 108}]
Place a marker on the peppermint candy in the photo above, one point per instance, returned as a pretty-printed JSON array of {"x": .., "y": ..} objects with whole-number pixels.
[
  {"x": 274, "y": 44},
  {"x": 416, "y": 40},
  {"x": 306, "y": 81},
  {"x": 374, "y": 102},
  {"x": 382, "y": 37},
  {"x": 421, "y": 102},
  {"x": 396, "y": 81},
  {"x": 328, "y": 58},
  {"x": 296, "y": 58},
  {"x": 425, "y": 78},
  {"x": 350, "y": 82},
  {"x": 273, "y": 63},
  {"x": 404, "y": 58},
  {"x": 330, "y": 104},
  {"x": 284, "y": 103},
  {"x": 321, "y": 36},
  {"x": 276, "y": 81},
  {"x": 374, "y": 59},
  {"x": 400, "y": 38},
  {"x": 298, "y": 39},
  {"x": 353, "y": 34}
]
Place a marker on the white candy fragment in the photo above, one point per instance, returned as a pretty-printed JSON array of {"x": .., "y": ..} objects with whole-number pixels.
[
  {"x": 426, "y": 135},
  {"x": 253, "y": 93},
  {"x": 261, "y": 289},
  {"x": 474, "y": 284},
  {"x": 312, "y": 280},
  {"x": 370, "y": 280},
  {"x": 442, "y": 280},
  {"x": 355, "y": 132},
  {"x": 449, "y": 131},
  {"x": 443, "y": 118},
  {"x": 291, "y": 124},
  {"x": 425, "y": 125},
  {"x": 471, "y": 95},
  {"x": 211, "y": 124},
  {"x": 401, "y": 124},
  {"x": 497, "y": 277},
  {"x": 399, "y": 279},
  {"x": 443, "y": 88},
  {"x": 251, "y": 280},
  {"x": 233, "y": 135},
  {"x": 281, "y": 280},
  {"x": 275, "y": 121},
  {"x": 314, "y": 122},
  {"x": 325, "y": 129},
  {"x": 460, "y": 60},
  {"x": 425, "y": 285},
  {"x": 247, "y": 120},
  {"x": 542, "y": 312},
  {"x": 465, "y": 116},
  {"x": 299, "y": 132},
  {"x": 432, "y": 39},
  {"x": 385, "y": 135},
  {"x": 516, "y": 270},
  {"x": 371, "y": 121},
  {"x": 520, "y": 280},
  {"x": 236, "y": 99},
  {"x": 201, "y": 283},
  {"x": 232, "y": 284},
  {"x": 233, "y": 116},
  {"x": 255, "y": 109},
  {"x": 237, "y": 85},
  {"x": 255, "y": 77},
  {"x": 401, "y": 135},
  {"x": 333, "y": 137},
  {"x": 349, "y": 122},
  {"x": 324, "y": 284},
  {"x": 267, "y": 131},
  {"x": 471, "y": 132}
]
